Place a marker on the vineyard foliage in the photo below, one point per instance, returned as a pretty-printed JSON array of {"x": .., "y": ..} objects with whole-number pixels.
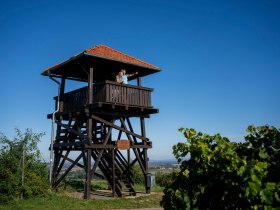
[{"x": 216, "y": 173}]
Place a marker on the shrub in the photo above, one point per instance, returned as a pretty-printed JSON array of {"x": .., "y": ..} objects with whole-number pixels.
[
  {"x": 35, "y": 180},
  {"x": 138, "y": 175},
  {"x": 165, "y": 179}
]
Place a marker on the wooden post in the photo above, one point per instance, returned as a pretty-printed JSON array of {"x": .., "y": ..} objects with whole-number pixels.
[
  {"x": 90, "y": 86},
  {"x": 113, "y": 173},
  {"x": 139, "y": 81},
  {"x": 89, "y": 135},
  {"x": 128, "y": 166},
  {"x": 88, "y": 177},
  {"x": 143, "y": 132},
  {"x": 90, "y": 98},
  {"x": 61, "y": 94}
]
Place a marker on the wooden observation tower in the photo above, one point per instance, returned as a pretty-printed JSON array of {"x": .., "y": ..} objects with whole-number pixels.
[{"x": 92, "y": 126}]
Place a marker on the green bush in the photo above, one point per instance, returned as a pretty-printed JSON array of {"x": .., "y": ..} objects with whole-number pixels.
[
  {"x": 218, "y": 174},
  {"x": 138, "y": 175},
  {"x": 21, "y": 152},
  {"x": 165, "y": 179},
  {"x": 74, "y": 184}
]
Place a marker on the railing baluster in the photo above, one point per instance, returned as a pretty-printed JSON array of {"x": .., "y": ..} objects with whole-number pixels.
[
  {"x": 132, "y": 96},
  {"x": 142, "y": 98},
  {"x": 137, "y": 97},
  {"x": 120, "y": 94},
  {"x": 107, "y": 87},
  {"x": 125, "y": 95},
  {"x": 129, "y": 92},
  {"x": 145, "y": 98},
  {"x": 148, "y": 99}
]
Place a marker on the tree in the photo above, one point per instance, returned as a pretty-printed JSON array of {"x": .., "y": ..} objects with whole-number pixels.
[
  {"x": 218, "y": 174},
  {"x": 27, "y": 177}
]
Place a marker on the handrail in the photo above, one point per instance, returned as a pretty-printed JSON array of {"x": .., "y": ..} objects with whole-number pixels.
[{"x": 124, "y": 85}]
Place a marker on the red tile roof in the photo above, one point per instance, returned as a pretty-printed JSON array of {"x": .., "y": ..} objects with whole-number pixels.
[{"x": 107, "y": 52}]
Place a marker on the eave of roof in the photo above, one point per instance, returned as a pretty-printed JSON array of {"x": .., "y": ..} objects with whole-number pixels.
[
  {"x": 106, "y": 53},
  {"x": 56, "y": 66}
]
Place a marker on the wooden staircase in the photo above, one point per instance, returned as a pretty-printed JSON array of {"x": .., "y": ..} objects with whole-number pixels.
[{"x": 123, "y": 176}]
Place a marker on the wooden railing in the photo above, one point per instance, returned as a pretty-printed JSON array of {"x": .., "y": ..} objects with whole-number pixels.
[
  {"x": 108, "y": 92},
  {"x": 74, "y": 100}
]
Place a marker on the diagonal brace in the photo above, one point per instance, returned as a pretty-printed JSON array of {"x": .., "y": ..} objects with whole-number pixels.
[{"x": 119, "y": 128}]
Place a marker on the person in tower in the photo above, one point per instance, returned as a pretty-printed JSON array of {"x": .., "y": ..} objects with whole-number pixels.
[
  {"x": 126, "y": 76},
  {"x": 119, "y": 77}
]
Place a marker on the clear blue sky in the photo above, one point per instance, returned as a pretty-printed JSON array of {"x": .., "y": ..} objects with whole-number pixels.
[{"x": 220, "y": 61}]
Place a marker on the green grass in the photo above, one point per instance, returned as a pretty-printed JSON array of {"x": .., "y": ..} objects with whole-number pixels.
[
  {"x": 56, "y": 201},
  {"x": 141, "y": 188},
  {"x": 78, "y": 185},
  {"x": 62, "y": 200}
]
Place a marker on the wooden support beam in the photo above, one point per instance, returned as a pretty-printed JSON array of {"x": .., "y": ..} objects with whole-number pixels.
[
  {"x": 92, "y": 171},
  {"x": 125, "y": 165},
  {"x": 72, "y": 161},
  {"x": 129, "y": 168},
  {"x": 124, "y": 126},
  {"x": 145, "y": 153},
  {"x": 139, "y": 160},
  {"x": 143, "y": 129},
  {"x": 120, "y": 133},
  {"x": 84, "y": 159},
  {"x": 119, "y": 128},
  {"x": 99, "y": 146},
  {"x": 131, "y": 129},
  {"x": 139, "y": 81},
  {"x": 135, "y": 160},
  {"x": 90, "y": 86},
  {"x": 136, "y": 150},
  {"x": 70, "y": 144},
  {"x": 68, "y": 170},
  {"x": 89, "y": 130},
  {"x": 70, "y": 129},
  {"x": 90, "y": 100},
  {"x": 113, "y": 173},
  {"x": 128, "y": 157},
  {"x": 62, "y": 162},
  {"x": 140, "y": 146},
  {"x": 111, "y": 146},
  {"x": 89, "y": 136},
  {"x": 88, "y": 177},
  {"x": 61, "y": 94}
]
